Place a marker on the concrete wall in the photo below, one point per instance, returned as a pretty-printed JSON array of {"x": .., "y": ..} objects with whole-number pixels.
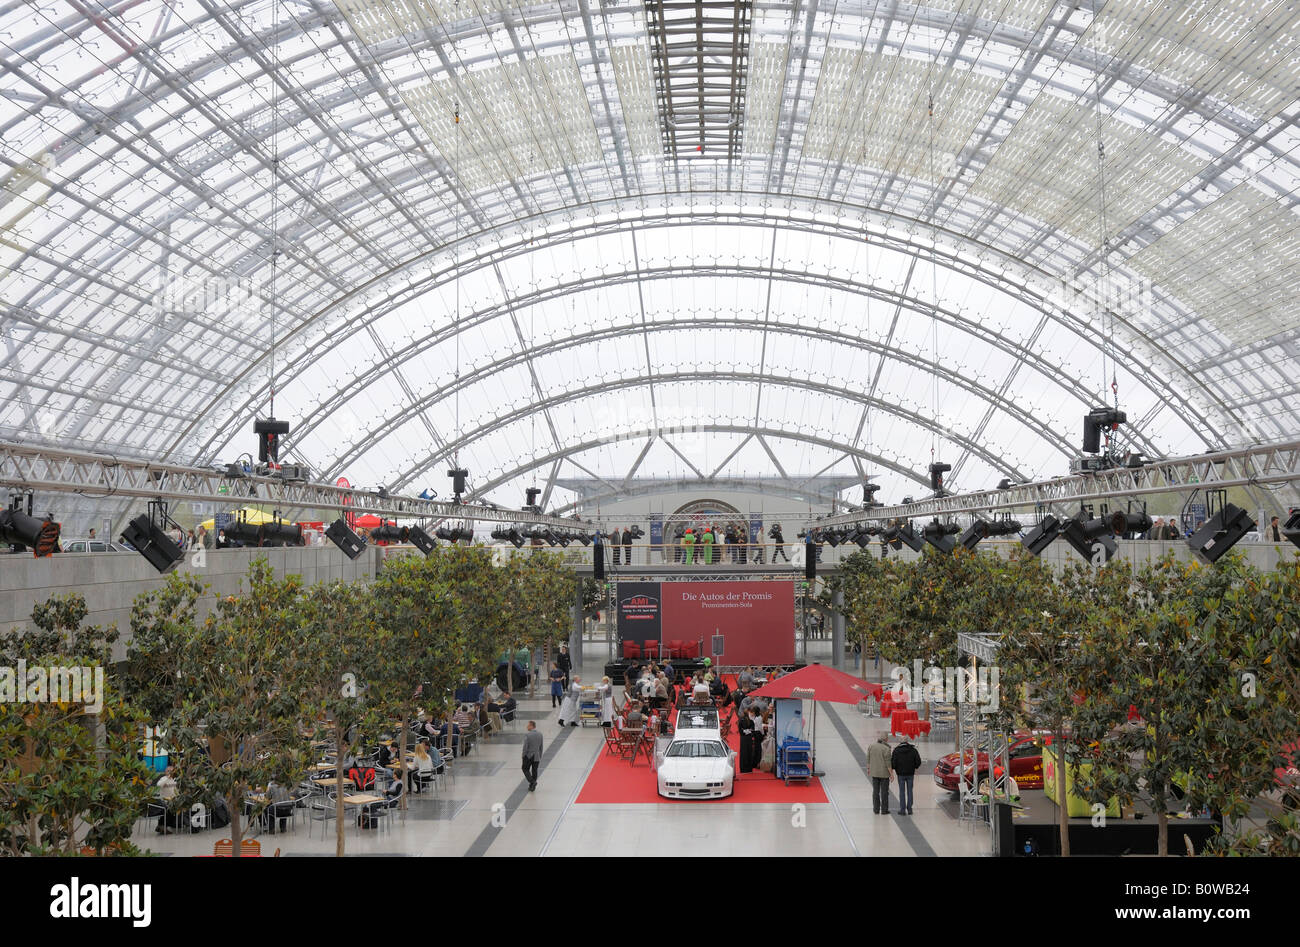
[{"x": 110, "y": 582}]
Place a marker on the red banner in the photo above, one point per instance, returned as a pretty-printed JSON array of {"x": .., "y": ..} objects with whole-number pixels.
[{"x": 755, "y": 619}]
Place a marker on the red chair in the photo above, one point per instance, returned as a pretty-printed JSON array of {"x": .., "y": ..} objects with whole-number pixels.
[
  {"x": 676, "y": 648},
  {"x": 631, "y": 649},
  {"x": 652, "y": 649},
  {"x": 690, "y": 649}
]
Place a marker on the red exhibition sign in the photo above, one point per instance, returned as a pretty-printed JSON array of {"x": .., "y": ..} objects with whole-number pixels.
[{"x": 756, "y": 619}]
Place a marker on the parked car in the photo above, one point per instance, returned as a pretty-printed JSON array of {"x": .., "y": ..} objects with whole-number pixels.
[
  {"x": 1025, "y": 755},
  {"x": 697, "y": 763},
  {"x": 90, "y": 545}
]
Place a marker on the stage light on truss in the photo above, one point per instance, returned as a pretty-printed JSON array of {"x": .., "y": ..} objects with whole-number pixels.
[
  {"x": 1095, "y": 421},
  {"x": 1088, "y": 534},
  {"x": 531, "y": 494},
  {"x": 937, "y": 470},
  {"x": 388, "y": 533},
  {"x": 458, "y": 477},
  {"x": 899, "y": 533},
  {"x": 1221, "y": 532},
  {"x": 1129, "y": 525},
  {"x": 982, "y": 529},
  {"x": 869, "y": 491},
  {"x": 939, "y": 535},
  {"x": 277, "y": 533},
  {"x": 516, "y": 538},
  {"x": 152, "y": 543},
  {"x": 19, "y": 529},
  {"x": 1041, "y": 536},
  {"x": 341, "y": 535},
  {"x": 1291, "y": 528},
  {"x": 420, "y": 539}
]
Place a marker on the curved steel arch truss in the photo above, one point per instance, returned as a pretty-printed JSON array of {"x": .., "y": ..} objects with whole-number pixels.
[
  {"x": 638, "y": 379},
  {"x": 875, "y": 458},
  {"x": 487, "y": 370},
  {"x": 1034, "y": 288}
]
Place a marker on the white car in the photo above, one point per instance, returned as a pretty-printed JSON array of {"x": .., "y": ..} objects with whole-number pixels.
[{"x": 697, "y": 763}]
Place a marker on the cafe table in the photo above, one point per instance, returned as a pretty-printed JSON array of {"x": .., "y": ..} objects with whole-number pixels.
[{"x": 358, "y": 800}]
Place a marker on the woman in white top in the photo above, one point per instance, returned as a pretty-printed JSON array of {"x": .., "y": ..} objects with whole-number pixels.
[
  {"x": 569, "y": 712},
  {"x": 423, "y": 766},
  {"x": 166, "y": 786},
  {"x": 606, "y": 702}
]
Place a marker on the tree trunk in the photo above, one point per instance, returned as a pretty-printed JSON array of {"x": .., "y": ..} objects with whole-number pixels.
[
  {"x": 339, "y": 834},
  {"x": 1162, "y": 848},
  {"x": 236, "y": 817},
  {"x": 1062, "y": 805}
]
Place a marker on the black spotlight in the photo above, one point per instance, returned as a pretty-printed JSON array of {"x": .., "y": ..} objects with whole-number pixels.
[
  {"x": 900, "y": 533},
  {"x": 549, "y": 537},
  {"x": 1291, "y": 528},
  {"x": 1093, "y": 423},
  {"x": 1221, "y": 532},
  {"x": 1086, "y": 533},
  {"x": 976, "y": 531},
  {"x": 1129, "y": 525},
  {"x": 388, "y": 533},
  {"x": 277, "y": 533},
  {"x": 152, "y": 543},
  {"x": 939, "y": 535},
  {"x": 1041, "y": 536},
  {"x": 515, "y": 537},
  {"x": 584, "y": 538},
  {"x": 458, "y": 476},
  {"x": 936, "y": 477},
  {"x": 19, "y": 529},
  {"x": 598, "y": 559},
  {"x": 269, "y": 431},
  {"x": 831, "y": 537},
  {"x": 242, "y": 532},
  {"x": 420, "y": 539},
  {"x": 341, "y": 535},
  {"x": 869, "y": 491},
  {"x": 1004, "y": 483},
  {"x": 532, "y": 493}
]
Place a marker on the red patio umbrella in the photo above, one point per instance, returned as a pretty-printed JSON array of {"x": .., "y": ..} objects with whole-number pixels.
[{"x": 819, "y": 682}]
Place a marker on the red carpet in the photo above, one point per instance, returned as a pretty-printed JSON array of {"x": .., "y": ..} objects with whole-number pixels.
[{"x": 613, "y": 781}]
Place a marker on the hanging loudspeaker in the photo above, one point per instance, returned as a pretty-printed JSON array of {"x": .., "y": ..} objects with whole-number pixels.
[
  {"x": 340, "y": 535},
  {"x": 152, "y": 543}
]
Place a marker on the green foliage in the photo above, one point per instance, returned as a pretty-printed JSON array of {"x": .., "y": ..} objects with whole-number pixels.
[{"x": 69, "y": 778}]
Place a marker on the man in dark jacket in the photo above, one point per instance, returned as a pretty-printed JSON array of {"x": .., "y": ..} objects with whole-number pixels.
[
  {"x": 564, "y": 663},
  {"x": 627, "y": 547},
  {"x": 905, "y": 761}
]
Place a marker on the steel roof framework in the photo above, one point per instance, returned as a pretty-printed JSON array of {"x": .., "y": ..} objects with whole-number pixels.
[{"x": 175, "y": 98}]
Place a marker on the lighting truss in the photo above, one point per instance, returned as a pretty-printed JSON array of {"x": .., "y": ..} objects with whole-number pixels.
[
  {"x": 35, "y": 468},
  {"x": 700, "y": 50},
  {"x": 1246, "y": 466}
]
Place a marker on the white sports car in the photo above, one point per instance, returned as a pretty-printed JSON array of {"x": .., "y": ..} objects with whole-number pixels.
[{"x": 697, "y": 763}]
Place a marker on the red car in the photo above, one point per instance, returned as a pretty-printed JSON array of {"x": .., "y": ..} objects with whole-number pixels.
[{"x": 1024, "y": 753}]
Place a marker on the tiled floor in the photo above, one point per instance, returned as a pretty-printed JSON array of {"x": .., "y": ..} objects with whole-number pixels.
[{"x": 494, "y": 815}]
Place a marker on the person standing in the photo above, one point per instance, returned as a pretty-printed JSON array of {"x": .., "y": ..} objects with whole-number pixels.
[
  {"x": 1157, "y": 530},
  {"x": 688, "y": 542},
  {"x": 746, "y": 727},
  {"x": 627, "y": 547},
  {"x": 570, "y": 710},
  {"x": 707, "y": 555},
  {"x": 905, "y": 760},
  {"x": 1273, "y": 532},
  {"x": 565, "y": 663},
  {"x": 879, "y": 769},
  {"x": 557, "y": 685},
  {"x": 606, "y": 690},
  {"x": 616, "y": 540},
  {"x": 779, "y": 540},
  {"x": 532, "y": 755}
]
